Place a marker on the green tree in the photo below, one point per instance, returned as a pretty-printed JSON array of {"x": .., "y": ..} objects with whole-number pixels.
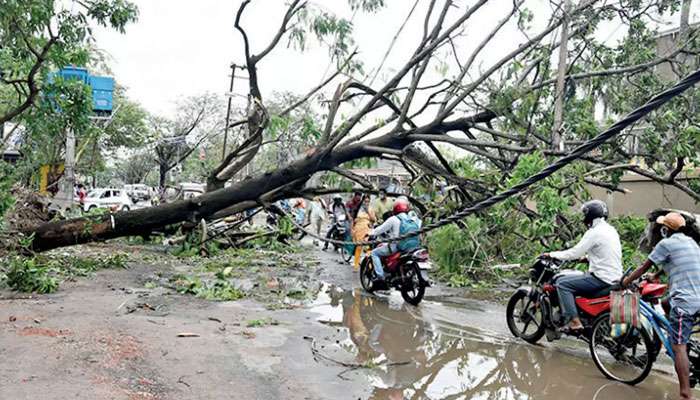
[{"x": 39, "y": 35}]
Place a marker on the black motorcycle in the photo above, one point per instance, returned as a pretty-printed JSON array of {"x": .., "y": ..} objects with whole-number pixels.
[
  {"x": 405, "y": 272},
  {"x": 339, "y": 232}
]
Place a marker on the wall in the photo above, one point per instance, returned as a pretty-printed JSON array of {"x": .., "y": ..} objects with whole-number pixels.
[{"x": 644, "y": 196}]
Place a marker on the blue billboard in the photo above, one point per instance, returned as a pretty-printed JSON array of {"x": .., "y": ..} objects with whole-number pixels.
[{"x": 102, "y": 87}]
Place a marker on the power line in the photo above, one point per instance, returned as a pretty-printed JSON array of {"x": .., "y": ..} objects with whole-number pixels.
[{"x": 651, "y": 105}]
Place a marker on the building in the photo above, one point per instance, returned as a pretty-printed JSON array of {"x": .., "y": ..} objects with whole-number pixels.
[
  {"x": 642, "y": 194},
  {"x": 387, "y": 174}
]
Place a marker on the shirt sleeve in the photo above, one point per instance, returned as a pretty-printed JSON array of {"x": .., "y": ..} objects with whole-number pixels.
[
  {"x": 659, "y": 256},
  {"x": 385, "y": 227},
  {"x": 587, "y": 242}
]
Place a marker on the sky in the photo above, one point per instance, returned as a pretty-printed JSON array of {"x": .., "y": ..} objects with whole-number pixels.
[
  {"x": 180, "y": 48},
  {"x": 183, "y": 48}
]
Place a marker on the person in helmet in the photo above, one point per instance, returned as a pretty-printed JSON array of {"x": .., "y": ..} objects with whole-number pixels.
[
  {"x": 679, "y": 255},
  {"x": 392, "y": 226},
  {"x": 337, "y": 210},
  {"x": 601, "y": 245}
]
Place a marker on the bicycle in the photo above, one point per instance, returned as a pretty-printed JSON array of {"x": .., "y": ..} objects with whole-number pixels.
[{"x": 612, "y": 355}]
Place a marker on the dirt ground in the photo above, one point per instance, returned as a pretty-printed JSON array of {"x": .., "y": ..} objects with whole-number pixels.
[{"x": 112, "y": 336}]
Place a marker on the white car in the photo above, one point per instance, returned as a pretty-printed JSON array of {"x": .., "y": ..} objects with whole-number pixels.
[
  {"x": 139, "y": 192},
  {"x": 113, "y": 199}
]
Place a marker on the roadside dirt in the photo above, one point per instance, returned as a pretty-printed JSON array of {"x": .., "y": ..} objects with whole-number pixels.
[{"x": 110, "y": 337}]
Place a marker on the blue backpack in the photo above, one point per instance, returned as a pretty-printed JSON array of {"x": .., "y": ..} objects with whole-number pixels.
[{"x": 408, "y": 225}]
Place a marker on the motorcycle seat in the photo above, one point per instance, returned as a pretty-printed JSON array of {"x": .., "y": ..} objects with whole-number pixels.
[{"x": 600, "y": 293}]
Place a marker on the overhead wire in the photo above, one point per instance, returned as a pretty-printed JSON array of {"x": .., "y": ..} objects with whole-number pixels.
[{"x": 639, "y": 113}]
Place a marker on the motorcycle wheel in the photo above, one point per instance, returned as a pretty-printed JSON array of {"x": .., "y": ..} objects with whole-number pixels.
[
  {"x": 367, "y": 274},
  {"x": 414, "y": 291},
  {"x": 628, "y": 358},
  {"x": 514, "y": 310}
]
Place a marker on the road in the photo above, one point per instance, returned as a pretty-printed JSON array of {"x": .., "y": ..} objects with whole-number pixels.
[{"x": 95, "y": 339}]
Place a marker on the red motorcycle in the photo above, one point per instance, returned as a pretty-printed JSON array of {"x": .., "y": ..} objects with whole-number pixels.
[
  {"x": 534, "y": 311},
  {"x": 406, "y": 272}
]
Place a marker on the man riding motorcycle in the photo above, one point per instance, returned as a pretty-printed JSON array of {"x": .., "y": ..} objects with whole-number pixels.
[
  {"x": 337, "y": 209},
  {"x": 601, "y": 245},
  {"x": 394, "y": 226}
]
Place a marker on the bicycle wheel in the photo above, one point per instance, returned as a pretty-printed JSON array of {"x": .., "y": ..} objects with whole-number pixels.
[
  {"x": 628, "y": 358},
  {"x": 529, "y": 325}
]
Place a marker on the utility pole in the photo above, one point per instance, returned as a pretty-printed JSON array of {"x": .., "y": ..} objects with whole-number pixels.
[
  {"x": 228, "y": 110},
  {"x": 557, "y": 143},
  {"x": 63, "y": 200},
  {"x": 69, "y": 166}
]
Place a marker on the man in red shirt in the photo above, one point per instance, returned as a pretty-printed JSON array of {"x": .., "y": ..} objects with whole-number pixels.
[{"x": 354, "y": 203}]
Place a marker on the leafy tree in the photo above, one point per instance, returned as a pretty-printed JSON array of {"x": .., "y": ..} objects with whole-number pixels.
[
  {"x": 493, "y": 113},
  {"x": 135, "y": 168},
  {"x": 198, "y": 118},
  {"x": 38, "y": 35},
  {"x": 68, "y": 105}
]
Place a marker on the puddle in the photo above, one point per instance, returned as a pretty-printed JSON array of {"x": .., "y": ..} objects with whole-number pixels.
[{"x": 442, "y": 352}]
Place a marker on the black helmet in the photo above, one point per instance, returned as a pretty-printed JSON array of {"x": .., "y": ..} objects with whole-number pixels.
[{"x": 593, "y": 209}]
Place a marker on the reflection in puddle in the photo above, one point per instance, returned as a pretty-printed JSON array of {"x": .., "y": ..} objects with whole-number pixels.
[{"x": 443, "y": 360}]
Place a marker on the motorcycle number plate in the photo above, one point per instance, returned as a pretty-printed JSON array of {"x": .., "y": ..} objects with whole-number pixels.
[{"x": 425, "y": 265}]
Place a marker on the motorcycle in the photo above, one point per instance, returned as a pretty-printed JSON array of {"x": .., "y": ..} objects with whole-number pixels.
[
  {"x": 406, "y": 272},
  {"x": 538, "y": 306},
  {"x": 342, "y": 233}
]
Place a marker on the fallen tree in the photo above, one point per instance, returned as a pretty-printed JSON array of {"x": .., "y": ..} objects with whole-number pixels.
[{"x": 513, "y": 122}]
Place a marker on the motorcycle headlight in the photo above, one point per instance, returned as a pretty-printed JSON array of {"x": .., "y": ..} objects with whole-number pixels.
[{"x": 534, "y": 275}]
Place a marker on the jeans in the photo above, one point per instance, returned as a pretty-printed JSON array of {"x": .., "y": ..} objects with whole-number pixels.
[
  {"x": 377, "y": 253},
  {"x": 330, "y": 234},
  {"x": 578, "y": 285}
]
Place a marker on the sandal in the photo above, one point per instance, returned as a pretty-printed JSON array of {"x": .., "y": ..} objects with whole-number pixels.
[{"x": 572, "y": 332}]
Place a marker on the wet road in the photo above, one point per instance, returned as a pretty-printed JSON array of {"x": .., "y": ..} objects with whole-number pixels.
[{"x": 454, "y": 348}]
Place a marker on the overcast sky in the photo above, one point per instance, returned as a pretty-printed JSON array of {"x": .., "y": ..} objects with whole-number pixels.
[{"x": 182, "y": 47}]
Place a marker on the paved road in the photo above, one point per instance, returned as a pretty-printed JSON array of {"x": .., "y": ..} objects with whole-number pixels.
[{"x": 108, "y": 337}]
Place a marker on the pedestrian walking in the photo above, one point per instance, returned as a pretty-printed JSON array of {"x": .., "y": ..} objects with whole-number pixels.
[
  {"x": 317, "y": 214},
  {"x": 363, "y": 220}
]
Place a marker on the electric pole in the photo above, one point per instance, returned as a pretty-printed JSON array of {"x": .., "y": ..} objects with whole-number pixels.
[
  {"x": 228, "y": 110},
  {"x": 557, "y": 143}
]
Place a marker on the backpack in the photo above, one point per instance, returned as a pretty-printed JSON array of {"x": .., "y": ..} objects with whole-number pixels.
[{"x": 408, "y": 225}]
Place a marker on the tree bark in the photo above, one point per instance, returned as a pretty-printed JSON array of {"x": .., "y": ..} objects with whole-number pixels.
[
  {"x": 136, "y": 222},
  {"x": 162, "y": 177}
]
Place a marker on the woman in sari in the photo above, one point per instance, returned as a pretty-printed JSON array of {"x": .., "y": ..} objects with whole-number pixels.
[{"x": 363, "y": 220}]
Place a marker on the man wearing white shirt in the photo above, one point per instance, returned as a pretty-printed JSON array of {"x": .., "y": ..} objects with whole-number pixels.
[{"x": 601, "y": 245}]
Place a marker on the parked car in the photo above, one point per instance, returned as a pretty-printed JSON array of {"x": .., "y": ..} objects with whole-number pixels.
[
  {"x": 139, "y": 192},
  {"x": 189, "y": 190},
  {"x": 113, "y": 199}
]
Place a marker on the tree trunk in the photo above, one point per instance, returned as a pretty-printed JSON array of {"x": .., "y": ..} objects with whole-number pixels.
[
  {"x": 684, "y": 24},
  {"x": 246, "y": 192},
  {"x": 162, "y": 177},
  {"x": 214, "y": 184}
]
